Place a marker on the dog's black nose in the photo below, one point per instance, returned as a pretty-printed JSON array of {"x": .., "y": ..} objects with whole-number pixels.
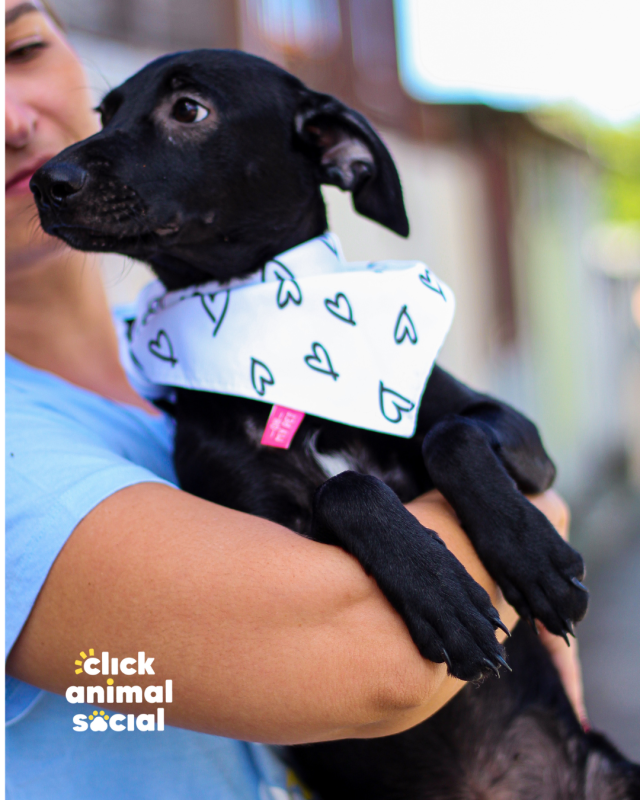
[{"x": 56, "y": 183}]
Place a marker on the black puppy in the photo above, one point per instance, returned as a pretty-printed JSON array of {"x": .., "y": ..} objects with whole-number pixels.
[{"x": 210, "y": 164}]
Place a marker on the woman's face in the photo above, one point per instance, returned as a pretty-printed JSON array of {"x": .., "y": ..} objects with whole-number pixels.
[{"x": 48, "y": 107}]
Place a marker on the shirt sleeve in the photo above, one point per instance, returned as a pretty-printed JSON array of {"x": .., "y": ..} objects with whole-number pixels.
[{"x": 57, "y": 470}]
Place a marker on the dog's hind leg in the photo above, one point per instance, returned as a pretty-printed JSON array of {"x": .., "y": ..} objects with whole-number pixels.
[
  {"x": 538, "y": 572},
  {"x": 449, "y": 615}
]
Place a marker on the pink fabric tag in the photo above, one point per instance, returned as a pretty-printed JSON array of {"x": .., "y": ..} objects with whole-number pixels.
[{"x": 281, "y": 427}]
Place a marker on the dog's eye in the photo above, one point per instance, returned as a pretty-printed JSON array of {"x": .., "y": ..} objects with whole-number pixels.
[{"x": 187, "y": 110}]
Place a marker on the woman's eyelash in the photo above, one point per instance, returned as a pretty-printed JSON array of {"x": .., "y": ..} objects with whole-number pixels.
[{"x": 25, "y": 51}]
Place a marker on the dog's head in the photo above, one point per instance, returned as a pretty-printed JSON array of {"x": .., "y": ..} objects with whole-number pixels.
[{"x": 209, "y": 163}]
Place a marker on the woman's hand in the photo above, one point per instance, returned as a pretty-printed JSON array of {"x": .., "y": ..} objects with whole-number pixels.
[
  {"x": 565, "y": 658},
  {"x": 567, "y": 662},
  {"x": 436, "y": 508}
]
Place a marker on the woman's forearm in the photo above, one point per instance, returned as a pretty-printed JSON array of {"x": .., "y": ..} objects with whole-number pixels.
[{"x": 266, "y": 635}]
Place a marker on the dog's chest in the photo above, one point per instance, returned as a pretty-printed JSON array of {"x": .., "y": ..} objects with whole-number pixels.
[{"x": 219, "y": 456}]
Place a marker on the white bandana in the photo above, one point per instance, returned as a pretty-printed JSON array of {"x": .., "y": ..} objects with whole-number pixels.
[{"x": 350, "y": 342}]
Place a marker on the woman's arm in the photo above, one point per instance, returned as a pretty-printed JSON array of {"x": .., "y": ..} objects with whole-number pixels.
[{"x": 267, "y": 636}]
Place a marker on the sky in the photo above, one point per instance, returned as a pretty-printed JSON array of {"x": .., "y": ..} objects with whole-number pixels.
[{"x": 519, "y": 54}]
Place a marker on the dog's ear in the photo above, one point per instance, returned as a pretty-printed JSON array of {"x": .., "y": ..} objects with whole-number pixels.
[{"x": 352, "y": 156}]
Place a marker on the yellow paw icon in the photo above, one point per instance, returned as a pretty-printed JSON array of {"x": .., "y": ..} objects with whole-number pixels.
[{"x": 99, "y": 722}]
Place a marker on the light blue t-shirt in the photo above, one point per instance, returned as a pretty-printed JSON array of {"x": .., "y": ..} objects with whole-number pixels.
[{"x": 67, "y": 450}]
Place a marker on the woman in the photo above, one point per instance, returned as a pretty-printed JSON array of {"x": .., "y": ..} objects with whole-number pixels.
[{"x": 266, "y": 636}]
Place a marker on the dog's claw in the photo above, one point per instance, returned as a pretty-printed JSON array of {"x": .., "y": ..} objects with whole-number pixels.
[
  {"x": 566, "y": 638},
  {"x": 492, "y": 666},
  {"x": 579, "y": 585},
  {"x": 445, "y": 655},
  {"x": 568, "y": 626},
  {"x": 500, "y": 624},
  {"x": 504, "y": 663}
]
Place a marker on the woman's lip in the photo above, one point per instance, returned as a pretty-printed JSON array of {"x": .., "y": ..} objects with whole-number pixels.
[{"x": 19, "y": 183}]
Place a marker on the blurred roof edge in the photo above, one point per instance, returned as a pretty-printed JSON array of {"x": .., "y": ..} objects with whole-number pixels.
[{"x": 353, "y": 56}]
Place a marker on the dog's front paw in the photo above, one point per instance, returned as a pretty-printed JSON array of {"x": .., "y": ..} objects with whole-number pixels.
[
  {"x": 449, "y": 615},
  {"x": 539, "y": 573}
]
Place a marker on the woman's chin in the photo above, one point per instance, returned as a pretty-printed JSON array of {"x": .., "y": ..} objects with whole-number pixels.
[{"x": 30, "y": 248}]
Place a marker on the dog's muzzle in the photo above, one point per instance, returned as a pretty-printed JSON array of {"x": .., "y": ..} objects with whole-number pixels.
[{"x": 55, "y": 185}]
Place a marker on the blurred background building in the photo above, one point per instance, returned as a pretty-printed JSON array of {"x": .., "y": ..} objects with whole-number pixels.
[{"x": 531, "y": 214}]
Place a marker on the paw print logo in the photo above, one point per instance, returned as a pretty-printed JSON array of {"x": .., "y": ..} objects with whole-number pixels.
[{"x": 98, "y": 721}]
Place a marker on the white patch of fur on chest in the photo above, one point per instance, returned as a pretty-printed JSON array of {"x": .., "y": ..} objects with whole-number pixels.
[
  {"x": 359, "y": 459},
  {"x": 333, "y": 464}
]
